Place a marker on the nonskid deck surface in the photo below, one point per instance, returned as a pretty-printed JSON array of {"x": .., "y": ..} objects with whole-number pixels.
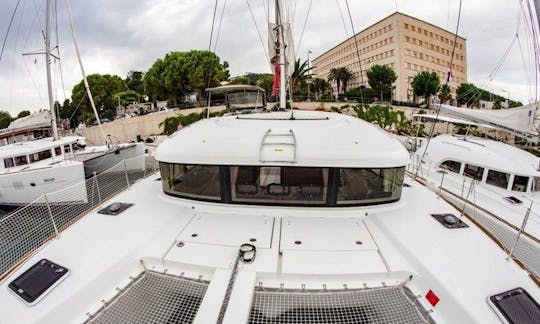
[{"x": 398, "y": 246}]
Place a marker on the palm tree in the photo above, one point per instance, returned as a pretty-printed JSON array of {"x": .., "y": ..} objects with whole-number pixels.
[
  {"x": 335, "y": 76},
  {"x": 320, "y": 86},
  {"x": 299, "y": 75},
  {"x": 346, "y": 76}
]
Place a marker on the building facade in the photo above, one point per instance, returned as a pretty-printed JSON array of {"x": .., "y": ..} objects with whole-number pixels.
[{"x": 404, "y": 43}]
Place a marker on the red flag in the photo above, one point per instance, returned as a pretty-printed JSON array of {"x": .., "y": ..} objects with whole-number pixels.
[{"x": 275, "y": 84}]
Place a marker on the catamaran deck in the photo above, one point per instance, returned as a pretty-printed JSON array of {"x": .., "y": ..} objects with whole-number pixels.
[{"x": 382, "y": 259}]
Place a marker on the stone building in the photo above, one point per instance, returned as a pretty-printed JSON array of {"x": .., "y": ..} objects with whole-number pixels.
[{"x": 406, "y": 44}]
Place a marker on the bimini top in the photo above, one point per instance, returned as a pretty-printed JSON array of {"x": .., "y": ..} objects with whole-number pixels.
[
  {"x": 311, "y": 139},
  {"x": 35, "y": 146},
  {"x": 235, "y": 87},
  {"x": 483, "y": 152}
]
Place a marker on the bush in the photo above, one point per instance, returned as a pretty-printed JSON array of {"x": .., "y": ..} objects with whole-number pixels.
[{"x": 170, "y": 124}]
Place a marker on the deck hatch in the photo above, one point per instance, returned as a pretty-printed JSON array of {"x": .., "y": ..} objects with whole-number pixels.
[
  {"x": 516, "y": 306},
  {"x": 394, "y": 304},
  {"x": 154, "y": 297},
  {"x": 513, "y": 200},
  {"x": 449, "y": 220}
]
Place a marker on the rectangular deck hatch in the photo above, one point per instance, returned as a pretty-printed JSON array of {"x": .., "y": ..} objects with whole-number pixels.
[
  {"x": 38, "y": 280},
  {"x": 516, "y": 306}
]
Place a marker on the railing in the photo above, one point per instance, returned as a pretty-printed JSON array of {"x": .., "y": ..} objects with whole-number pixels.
[
  {"x": 516, "y": 239},
  {"x": 28, "y": 228}
]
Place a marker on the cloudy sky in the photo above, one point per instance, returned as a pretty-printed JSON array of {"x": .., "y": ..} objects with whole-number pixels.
[{"x": 122, "y": 35}]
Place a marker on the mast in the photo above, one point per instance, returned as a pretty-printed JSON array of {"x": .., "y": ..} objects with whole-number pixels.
[
  {"x": 48, "y": 67},
  {"x": 281, "y": 40},
  {"x": 85, "y": 81}
]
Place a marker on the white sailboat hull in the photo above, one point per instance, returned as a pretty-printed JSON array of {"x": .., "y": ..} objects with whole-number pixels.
[
  {"x": 100, "y": 158},
  {"x": 20, "y": 188}
]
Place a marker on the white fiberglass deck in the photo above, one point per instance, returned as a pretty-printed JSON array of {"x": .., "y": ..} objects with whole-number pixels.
[{"x": 297, "y": 248}]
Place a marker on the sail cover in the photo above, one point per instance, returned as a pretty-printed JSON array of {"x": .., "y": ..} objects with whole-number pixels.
[{"x": 520, "y": 121}]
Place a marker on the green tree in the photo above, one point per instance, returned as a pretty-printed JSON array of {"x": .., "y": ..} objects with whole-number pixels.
[
  {"x": 334, "y": 75},
  {"x": 445, "y": 94},
  {"x": 380, "y": 79},
  {"x": 320, "y": 86},
  {"x": 22, "y": 114},
  {"x": 468, "y": 94},
  {"x": 426, "y": 84},
  {"x": 5, "y": 119},
  {"x": 346, "y": 76},
  {"x": 180, "y": 73},
  {"x": 300, "y": 75},
  {"x": 134, "y": 81},
  {"x": 265, "y": 81},
  {"x": 381, "y": 115},
  {"x": 126, "y": 97},
  {"x": 103, "y": 87}
]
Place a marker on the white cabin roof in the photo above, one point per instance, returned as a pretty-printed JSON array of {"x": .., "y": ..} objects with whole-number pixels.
[
  {"x": 482, "y": 152},
  {"x": 27, "y": 147},
  {"x": 320, "y": 139}
]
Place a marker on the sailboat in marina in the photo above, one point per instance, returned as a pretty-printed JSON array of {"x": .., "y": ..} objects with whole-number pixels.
[
  {"x": 30, "y": 169},
  {"x": 271, "y": 217}
]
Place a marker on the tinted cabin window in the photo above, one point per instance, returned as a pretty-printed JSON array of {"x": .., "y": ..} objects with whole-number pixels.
[
  {"x": 364, "y": 186},
  {"x": 520, "y": 183},
  {"x": 57, "y": 151},
  {"x": 196, "y": 181},
  {"x": 536, "y": 184},
  {"x": 473, "y": 171},
  {"x": 279, "y": 185},
  {"x": 35, "y": 157},
  {"x": 21, "y": 160},
  {"x": 498, "y": 179},
  {"x": 8, "y": 163},
  {"x": 453, "y": 166},
  {"x": 67, "y": 148}
]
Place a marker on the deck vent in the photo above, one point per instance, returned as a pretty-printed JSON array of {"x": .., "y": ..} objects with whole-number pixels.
[
  {"x": 114, "y": 209},
  {"x": 405, "y": 184},
  {"x": 154, "y": 297},
  {"x": 516, "y": 306},
  {"x": 394, "y": 304},
  {"x": 449, "y": 220},
  {"x": 513, "y": 200}
]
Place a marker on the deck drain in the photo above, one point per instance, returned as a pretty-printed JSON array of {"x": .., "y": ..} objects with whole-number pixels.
[
  {"x": 180, "y": 244},
  {"x": 194, "y": 235},
  {"x": 358, "y": 242},
  {"x": 297, "y": 242},
  {"x": 252, "y": 239}
]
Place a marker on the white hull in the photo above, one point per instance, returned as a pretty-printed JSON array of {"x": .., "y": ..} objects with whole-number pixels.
[
  {"x": 20, "y": 188},
  {"x": 99, "y": 159}
]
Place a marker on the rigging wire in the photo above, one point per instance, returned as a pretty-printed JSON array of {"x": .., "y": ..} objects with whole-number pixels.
[
  {"x": 219, "y": 26},
  {"x": 58, "y": 49},
  {"x": 258, "y": 32},
  {"x": 304, "y": 27},
  {"x": 357, "y": 52},
  {"x": 8, "y": 29},
  {"x": 213, "y": 23},
  {"x": 342, "y": 19},
  {"x": 432, "y": 130}
]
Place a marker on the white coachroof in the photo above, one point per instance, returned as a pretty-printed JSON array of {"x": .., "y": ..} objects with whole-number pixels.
[
  {"x": 29, "y": 147},
  {"x": 482, "y": 152},
  {"x": 236, "y": 87},
  {"x": 312, "y": 139}
]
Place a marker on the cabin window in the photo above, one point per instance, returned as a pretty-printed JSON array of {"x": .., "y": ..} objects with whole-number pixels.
[
  {"x": 279, "y": 185},
  {"x": 520, "y": 183},
  {"x": 536, "y": 184},
  {"x": 498, "y": 179},
  {"x": 195, "y": 181},
  {"x": 364, "y": 186},
  {"x": 67, "y": 148},
  {"x": 35, "y": 157},
  {"x": 453, "y": 166},
  {"x": 21, "y": 160},
  {"x": 8, "y": 163},
  {"x": 473, "y": 171},
  {"x": 57, "y": 151}
]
